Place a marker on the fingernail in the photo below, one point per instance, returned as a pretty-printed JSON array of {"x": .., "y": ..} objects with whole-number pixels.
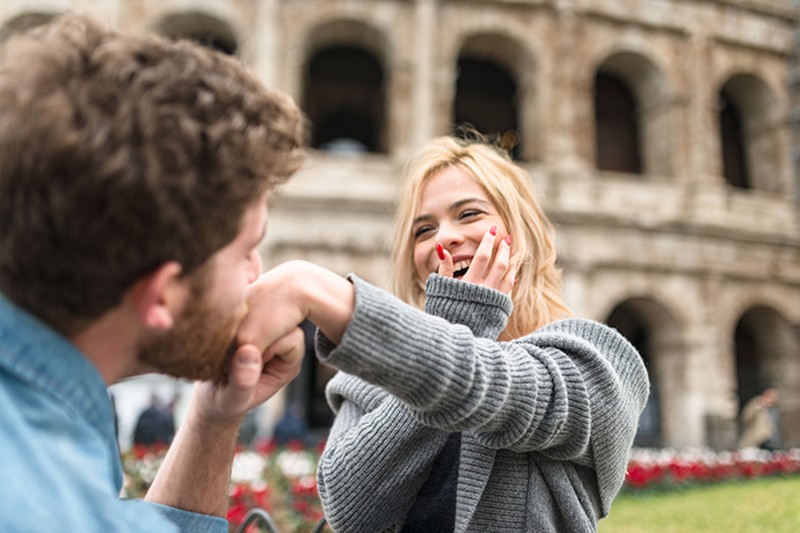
[
  {"x": 440, "y": 251},
  {"x": 248, "y": 357},
  {"x": 493, "y": 230},
  {"x": 508, "y": 239}
]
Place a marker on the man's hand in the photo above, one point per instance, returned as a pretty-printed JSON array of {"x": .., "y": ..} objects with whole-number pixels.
[
  {"x": 195, "y": 473},
  {"x": 271, "y": 345},
  {"x": 253, "y": 378}
]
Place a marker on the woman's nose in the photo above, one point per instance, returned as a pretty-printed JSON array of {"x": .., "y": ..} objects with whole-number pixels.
[{"x": 449, "y": 235}]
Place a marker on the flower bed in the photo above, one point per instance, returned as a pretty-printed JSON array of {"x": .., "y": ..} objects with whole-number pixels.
[
  {"x": 668, "y": 469},
  {"x": 282, "y": 480},
  {"x": 279, "y": 479}
]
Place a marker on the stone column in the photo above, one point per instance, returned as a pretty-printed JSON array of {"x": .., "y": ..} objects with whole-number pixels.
[
  {"x": 567, "y": 103},
  {"x": 703, "y": 161},
  {"x": 265, "y": 39},
  {"x": 423, "y": 88}
]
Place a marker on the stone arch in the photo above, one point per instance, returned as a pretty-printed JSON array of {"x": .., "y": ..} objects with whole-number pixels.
[
  {"x": 24, "y": 22},
  {"x": 345, "y": 85},
  {"x": 490, "y": 88},
  {"x": 749, "y": 132},
  {"x": 200, "y": 27},
  {"x": 633, "y": 118},
  {"x": 659, "y": 336},
  {"x": 765, "y": 351}
]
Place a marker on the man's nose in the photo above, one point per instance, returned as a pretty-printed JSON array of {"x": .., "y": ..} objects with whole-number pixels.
[{"x": 255, "y": 266}]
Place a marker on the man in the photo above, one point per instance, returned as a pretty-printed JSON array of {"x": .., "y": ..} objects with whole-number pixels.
[
  {"x": 155, "y": 424},
  {"x": 133, "y": 181},
  {"x": 758, "y": 424}
]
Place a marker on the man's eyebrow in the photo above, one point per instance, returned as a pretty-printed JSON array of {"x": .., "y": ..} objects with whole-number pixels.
[{"x": 452, "y": 207}]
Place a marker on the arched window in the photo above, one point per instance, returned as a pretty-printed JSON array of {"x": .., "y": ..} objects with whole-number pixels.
[
  {"x": 305, "y": 398},
  {"x": 765, "y": 346},
  {"x": 627, "y": 321},
  {"x": 344, "y": 97},
  {"x": 734, "y": 158},
  {"x": 762, "y": 340},
  {"x": 201, "y": 28},
  {"x": 486, "y": 99},
  {"x": 634, "y": 114},
  {"x": 753, "y": 151},
  {"x": 659, "y": 337},
  {"x": 23, "y": 23},
  {"x": 616, "y": 126},
  {"x": 750, "y": 375}
]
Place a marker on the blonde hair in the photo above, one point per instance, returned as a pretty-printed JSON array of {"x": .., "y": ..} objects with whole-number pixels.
[{"x": 537, "y": 293}]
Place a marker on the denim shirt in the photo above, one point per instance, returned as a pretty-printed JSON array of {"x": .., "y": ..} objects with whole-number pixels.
[{"x": 60, "y": 462}]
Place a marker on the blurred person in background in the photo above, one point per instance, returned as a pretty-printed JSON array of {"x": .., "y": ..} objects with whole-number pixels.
[
  {"x": 759, "y": 421},
  {"x": 155, "y": 424}
]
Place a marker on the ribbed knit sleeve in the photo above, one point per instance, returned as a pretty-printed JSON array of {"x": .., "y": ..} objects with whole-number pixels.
[
  {"x": 378, "y": 454},
  {"x": 483, "y": 310},
  {"x": 571, "y": 391},
  {"x": 376, "y": 458},
  {"x": 617, "y": 385}
]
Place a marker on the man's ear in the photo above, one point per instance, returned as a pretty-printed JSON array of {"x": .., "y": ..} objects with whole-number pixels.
[{"x": 159, "y": 296}]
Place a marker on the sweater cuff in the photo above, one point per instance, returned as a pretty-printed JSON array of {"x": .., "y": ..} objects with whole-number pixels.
[
  {"x": 483, "y": 310},
  {"x": 344, "y": 386}
]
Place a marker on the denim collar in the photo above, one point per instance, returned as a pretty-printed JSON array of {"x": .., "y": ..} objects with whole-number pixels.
[{"x": 41, "y": 357}]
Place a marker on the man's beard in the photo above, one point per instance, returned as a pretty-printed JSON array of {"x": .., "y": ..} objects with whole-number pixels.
[{"x": 200, "y": 343}]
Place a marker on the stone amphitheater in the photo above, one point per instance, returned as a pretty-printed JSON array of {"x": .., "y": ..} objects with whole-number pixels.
[{"x": 660, "y": 135}]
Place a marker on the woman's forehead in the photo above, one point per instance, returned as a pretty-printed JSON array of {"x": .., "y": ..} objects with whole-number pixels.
[{"x": 449, "y": 185}]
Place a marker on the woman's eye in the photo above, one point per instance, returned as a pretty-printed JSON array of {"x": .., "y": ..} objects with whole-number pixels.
[
  {"x": 422, "y": 231},
  {"x": 470, "y": 213}
]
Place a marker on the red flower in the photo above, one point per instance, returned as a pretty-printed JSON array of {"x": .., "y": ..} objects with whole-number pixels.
[
  {"x": 296, "y": 445},
  {"x": 260, "y": 497},
  {"x": 320, "y": 447},
  {"x": 238, "y": 491},
  {"x": 266, "y": 446},
  {"x": 305, "y": 486},
  {"x": 236, "y": 513}
]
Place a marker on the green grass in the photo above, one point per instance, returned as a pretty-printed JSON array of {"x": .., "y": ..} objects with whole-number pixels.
[{"x": 760, "y": 506}]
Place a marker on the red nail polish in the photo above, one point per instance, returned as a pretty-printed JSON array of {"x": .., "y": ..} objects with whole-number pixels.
[
  {"x": 493, "y": 230},
  {"x": 508, "y": 239},
  {"x": 440, "y": 251}
]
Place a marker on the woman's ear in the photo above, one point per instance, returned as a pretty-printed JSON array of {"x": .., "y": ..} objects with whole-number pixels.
[{"x": 159, "y": 296}]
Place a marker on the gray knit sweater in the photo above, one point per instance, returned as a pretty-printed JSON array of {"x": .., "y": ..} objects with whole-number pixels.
[{"x": 547, "y": 420}]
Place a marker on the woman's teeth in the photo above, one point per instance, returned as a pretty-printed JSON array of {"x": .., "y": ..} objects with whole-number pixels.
[{"x": 460, "y": 268}]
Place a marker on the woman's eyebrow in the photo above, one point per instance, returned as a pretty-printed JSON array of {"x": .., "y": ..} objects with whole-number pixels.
[{"x": 459, "y": 203}]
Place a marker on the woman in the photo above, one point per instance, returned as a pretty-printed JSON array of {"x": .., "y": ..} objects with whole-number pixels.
[{"x": 475, "y": 418}]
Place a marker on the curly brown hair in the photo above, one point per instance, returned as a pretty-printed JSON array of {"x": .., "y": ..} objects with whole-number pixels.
[{"x": 119, "y": 152}]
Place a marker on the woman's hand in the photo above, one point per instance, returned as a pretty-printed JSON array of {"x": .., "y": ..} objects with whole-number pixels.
[{"x": 491, "y": 265}]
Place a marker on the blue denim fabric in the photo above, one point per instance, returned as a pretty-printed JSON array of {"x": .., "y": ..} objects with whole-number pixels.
[{"x": 60, "y": 468}]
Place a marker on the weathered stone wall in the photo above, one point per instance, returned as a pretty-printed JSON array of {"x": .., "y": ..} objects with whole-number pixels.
[{"x": 690, "y": 257}]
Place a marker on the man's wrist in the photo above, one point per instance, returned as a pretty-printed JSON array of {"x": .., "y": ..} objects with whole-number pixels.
[{"x": 203, "y": 419}]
